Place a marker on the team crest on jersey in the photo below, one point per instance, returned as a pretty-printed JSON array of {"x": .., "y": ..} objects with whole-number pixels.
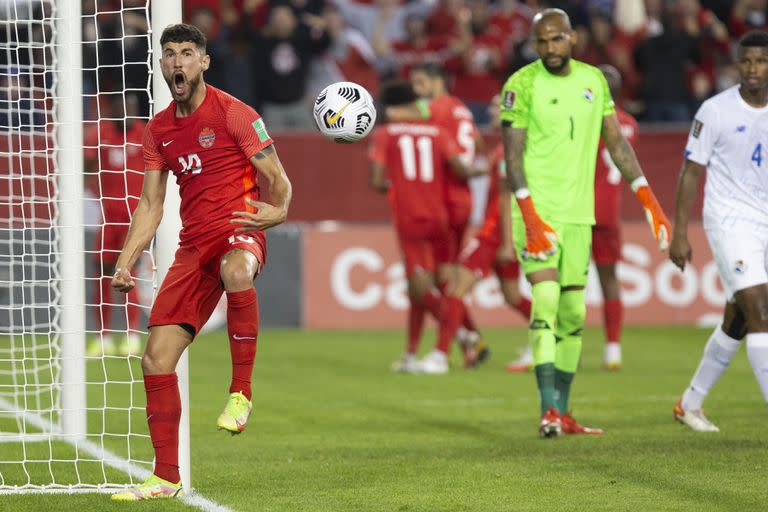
[
  {"x": 740, "y": 267},
  {"x": 509, "y": 99},
  {"x": 589, "y": 95},
  {"x": 696, "y": 128},
  {"x": 207, "y": 137}
]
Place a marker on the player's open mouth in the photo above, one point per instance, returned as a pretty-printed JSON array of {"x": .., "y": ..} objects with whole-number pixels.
[{"x": 179, "y": 83}]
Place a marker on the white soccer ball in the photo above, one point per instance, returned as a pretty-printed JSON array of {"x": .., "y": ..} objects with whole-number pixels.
[{"x": 344, "y": 112}]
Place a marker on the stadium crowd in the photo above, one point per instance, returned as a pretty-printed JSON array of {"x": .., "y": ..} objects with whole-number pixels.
[{"x": 277, "y": 55}]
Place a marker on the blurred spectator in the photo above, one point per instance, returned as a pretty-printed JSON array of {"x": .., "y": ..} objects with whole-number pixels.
[
  {"x": 655, "y": 12},
  {"x": 607, "y": 44},
  {"x": 285, "y": 48},
  {"x": 512, "y": 19},
  {"x": 663, "y": 61},
  {"x": 349, "y": 58},
  {"x": 19, "y": 111},
  {"x": 748, "y": 15},
  {"x": 480, "y": 63},
  {"x": 442, "y": 20},
  {"x": 419, "y": 47},
  {"x": 383, "y": 19},
  {"x": 629, "y": 16}
]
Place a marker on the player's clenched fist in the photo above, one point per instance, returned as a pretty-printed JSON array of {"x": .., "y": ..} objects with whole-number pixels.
[
  {"x": 122, "y": 280},
  {"x": 265, "y": 217}
]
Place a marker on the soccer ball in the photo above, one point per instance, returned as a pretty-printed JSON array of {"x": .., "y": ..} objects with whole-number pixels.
[{"x": 344, "y": 112}]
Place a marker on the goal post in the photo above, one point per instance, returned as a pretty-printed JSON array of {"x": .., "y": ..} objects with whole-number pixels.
[{"x": 72, "y": 73}]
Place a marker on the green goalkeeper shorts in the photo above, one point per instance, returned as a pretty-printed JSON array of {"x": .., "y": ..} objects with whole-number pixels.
[{"x": 571, "y": 259}]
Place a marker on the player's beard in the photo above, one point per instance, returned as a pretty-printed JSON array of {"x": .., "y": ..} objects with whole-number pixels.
[{"x": 555, "y": 70}]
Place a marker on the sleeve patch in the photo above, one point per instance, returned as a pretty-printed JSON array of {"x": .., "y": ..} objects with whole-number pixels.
[
  {"x": 696, "y": 128},
  {"x": 509, "y": 99},
  {"x": 261, "y": 130}
]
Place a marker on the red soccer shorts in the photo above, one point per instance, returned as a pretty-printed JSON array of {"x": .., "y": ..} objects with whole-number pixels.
[
  {"x": 425, "y": 249},
  {"x": 479, "y": 256},
  {"x": 606, "y": 244},
  {"x": 193, "y": 287}
]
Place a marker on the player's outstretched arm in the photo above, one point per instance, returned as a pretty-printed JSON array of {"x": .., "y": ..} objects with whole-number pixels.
[
  {"x": 267, "y": 215},
  {"x": 146, "y": 219},
  {"x": 626, "y": 161},
  {"x": 540, "y": 238},
  {"x": 680, "y": 249},
  {"x": 377, "y": 178}
]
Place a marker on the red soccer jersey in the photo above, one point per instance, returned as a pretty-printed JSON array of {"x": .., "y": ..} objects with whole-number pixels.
[
  {"x": 415, "y": 155},
  {"x": 450, "y": 114},
  {"x": 120, "y": 165},
  {"x": 608, "y": 177},
  {"x": 208, "y": 151}
]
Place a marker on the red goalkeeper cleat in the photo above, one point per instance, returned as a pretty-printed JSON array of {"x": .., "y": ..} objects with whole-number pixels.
[
  {"x": 550, "y": 425},
  {"x": 570, "y": 426}
]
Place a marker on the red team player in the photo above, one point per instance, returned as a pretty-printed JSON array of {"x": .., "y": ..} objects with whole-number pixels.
[
  {"x": 119, "y": 164},
  {"x": 606, "y": 233},
  {"x": 606, "y": 236},
  {"x": 211, "y": 142},
  {"x": 409, "y": 160}
]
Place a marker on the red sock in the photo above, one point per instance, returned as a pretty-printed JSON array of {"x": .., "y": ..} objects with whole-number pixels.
[
  {"x": 451, "y": 316},
  {"x": 468, "y": 322},
  {"x": 431, "y": 301},
  {"x": 612, "y": 312},
  {"x": 524, "y": 307},
  {"x": 243, "y": 329},
  {"x": 163, "y": 413},
  {"x": 415, "y": 326}
]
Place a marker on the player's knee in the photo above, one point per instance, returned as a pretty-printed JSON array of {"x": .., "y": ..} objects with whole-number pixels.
[
  {"x": 758, "y": 321},
  {"x": 236, "y": 277},
  {"x": 152, "y": 365},
  {"x": 572, "y": 311}
]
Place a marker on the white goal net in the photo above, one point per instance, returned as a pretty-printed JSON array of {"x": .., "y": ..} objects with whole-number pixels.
[{"x": 71, "y": 395}]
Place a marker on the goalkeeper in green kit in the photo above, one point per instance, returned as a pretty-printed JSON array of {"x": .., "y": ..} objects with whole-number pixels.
[{"x": 553, "y": 113}]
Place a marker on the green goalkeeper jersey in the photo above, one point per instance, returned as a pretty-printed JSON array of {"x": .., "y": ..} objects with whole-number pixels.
[{"x": 563, "y": 116}]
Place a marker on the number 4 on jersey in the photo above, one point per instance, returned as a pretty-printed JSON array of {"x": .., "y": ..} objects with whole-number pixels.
[{"x": 757, "y": 155}]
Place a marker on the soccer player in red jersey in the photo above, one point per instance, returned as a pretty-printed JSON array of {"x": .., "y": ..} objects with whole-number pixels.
[
  {"x": 212, "y": 143},
  {"x": 450, "y": 113},
  {"x": 606, "y": 233},
  {"x": 409, "y": 161},
  {"x": 113, "y": 159}
]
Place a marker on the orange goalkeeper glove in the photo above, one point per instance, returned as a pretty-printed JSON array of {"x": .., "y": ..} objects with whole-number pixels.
[
  {"x": 653, "y": 213},
  {"x": 540, "y": 238}
]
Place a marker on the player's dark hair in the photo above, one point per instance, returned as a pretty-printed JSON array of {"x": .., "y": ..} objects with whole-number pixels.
[
  {"x": 754, "y": 39},
  {"x": 396, "y": 92},
  {"x": 182, "y": 33},
  {"x": 431, "y": 69}
]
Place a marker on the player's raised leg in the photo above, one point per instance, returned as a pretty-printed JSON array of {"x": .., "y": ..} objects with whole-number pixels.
[
  {"x": 238, "y": 269},
  {"x": 164, "y": 348}
]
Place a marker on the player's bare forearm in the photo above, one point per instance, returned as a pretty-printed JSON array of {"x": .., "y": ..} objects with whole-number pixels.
[
  {"x": 267, "y": 215},
  {"x": 463, "y": 171},
  {"x": 505, "y": 216},
  {"x": 146, "y": 219},
  {"x": 376, "y": 178},
  {"x": 514, "y": 146},
  {"x": 621, "y": 151},
  {"x": 686, "y": 195}
]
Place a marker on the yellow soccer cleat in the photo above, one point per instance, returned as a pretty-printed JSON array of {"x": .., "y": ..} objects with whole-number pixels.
[
  {"x": 153, "y": 488},
  {"x": 235, "y": 414}
]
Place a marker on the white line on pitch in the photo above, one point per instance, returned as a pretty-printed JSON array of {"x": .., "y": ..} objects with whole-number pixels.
[{"x": 192, "y": 498}]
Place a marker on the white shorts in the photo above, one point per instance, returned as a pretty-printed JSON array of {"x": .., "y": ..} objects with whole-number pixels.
[{"x": 741, "y": 256}]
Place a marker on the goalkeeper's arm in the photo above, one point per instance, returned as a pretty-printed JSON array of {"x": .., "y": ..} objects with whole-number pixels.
[
  {"x": 540, "y": 238},
  {"x": 625, "y": 159},
  {"x": 146, "y": 219}
]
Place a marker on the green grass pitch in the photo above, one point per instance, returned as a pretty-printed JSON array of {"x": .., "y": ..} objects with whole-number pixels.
[{"x": 334, "y": 430}]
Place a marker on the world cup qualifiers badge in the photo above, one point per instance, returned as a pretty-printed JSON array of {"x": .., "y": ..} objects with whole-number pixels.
[
  {"x": 509, "y": 99},
  {"x": 207, "y": 137}
]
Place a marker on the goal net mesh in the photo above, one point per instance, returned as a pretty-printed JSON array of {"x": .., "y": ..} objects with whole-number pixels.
[{"x": 35, "y": 453}]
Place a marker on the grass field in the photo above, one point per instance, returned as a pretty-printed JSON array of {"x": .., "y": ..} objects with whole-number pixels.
[{"x": 334, "y": 430}]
